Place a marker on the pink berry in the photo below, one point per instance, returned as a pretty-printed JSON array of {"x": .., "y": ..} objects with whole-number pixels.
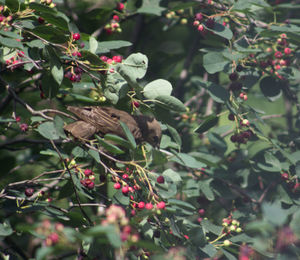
[
  {"x": 76, "y": 36},
  {"x": 201, "y": 212},
  {"x": 104, "y": 58},
  {"x": 285, "y": 176},
  {"x": 149, "y": 206},
  {"x": 201, "y": 28},
  {"x": 160, "y": 179},
  {"x": 24, "y": 127},
  {"x": 161, "y": 205},
  {"x": 125, "y": 176},
  {"x": 287, "y": 51},
  {"x": 18, "y": 118},
  {"x": 116, "y": 18},
  {"x": 120, "y": 6},
  {"x": 141, "y": 205},
  {"x": 117, "y": 186},
  {"x": 198, "y": 16},
  {"x": 278, "y": 55},
  {"x": 196, "y": 23},
  {"x": 125, "y": 190},
  {"x": 88, "y": 172},
  {"x": 117, "y": 58}
]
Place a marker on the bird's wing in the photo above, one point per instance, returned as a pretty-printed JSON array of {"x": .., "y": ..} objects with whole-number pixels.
[
  {"x": 81, "y": 129},
  {"x": 107, "y": 119}
]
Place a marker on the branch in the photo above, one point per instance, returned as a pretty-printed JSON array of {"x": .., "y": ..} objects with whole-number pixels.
[{"x": 73, "y": 184}]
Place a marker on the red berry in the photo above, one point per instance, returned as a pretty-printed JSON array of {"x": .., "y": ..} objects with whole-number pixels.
[
  {"x": 120, "y": 6},
  {"x": 125, "y": 190},
  {"x": 287, "y": 51},
  {"x": 41, "y": 20},
  {"x": 76, "y": 36},
  {"x": 136, "y": 104},
  {"x": 125, "y": 176},
  {"x": 54, "y": 238},
  {"x": 29, "y": 192},
  {"x": 18, "y": 118},
  {"x": 141, "y": 205},
  {"x": 196, "y": 23},
  {"x": 149, "y": 206},
  {"x": 233, "y": 138},
  {"x": 200, "y": 28},
  {"x": 160, "y": 179},
  {"x": 24, "y": 127},
  {"x": 88, "y": 172},
  {"x": 284, "y": 176},
  {"x": 117, "y": 58},
  {"x": 278, "y": 55},
  {"x": 161, "y": 205},
  {"x": 201, "y": 212},
  {"x": 116, "y": 18},
  {"x": 117, "y": 186},
  {"x": 133, "y": 212}
]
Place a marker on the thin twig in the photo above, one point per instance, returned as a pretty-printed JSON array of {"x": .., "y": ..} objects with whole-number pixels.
[{"x": 73, "y": 184}]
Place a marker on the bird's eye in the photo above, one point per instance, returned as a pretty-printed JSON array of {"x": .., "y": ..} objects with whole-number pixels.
[{"x": 155, "y": 139}]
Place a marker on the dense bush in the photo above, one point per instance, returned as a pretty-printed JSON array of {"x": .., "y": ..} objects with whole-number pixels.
[{"x": 221, "y": 77}]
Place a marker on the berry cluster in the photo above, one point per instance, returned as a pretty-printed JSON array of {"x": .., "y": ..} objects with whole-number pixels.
[
  {"x": 5, "y": 20},
  {"x": 201, "y": 213},
  {"x": 88, "y": 180},
  {"x": 202, "y": 23},
  {"x": 279, "y": 57},
  {"x": 292, "y": 182},
  {"x": 231, "y": 225},
  {"x": 16, "y": 61},
  {"x": 74, "y": 74},
  {"x": 236, "y": 85},
  {"x": 116, "y": 215},
  {"x": 179, "y": 15},
  {"x": 52, "y": 232},
  {"x": 129, "y": 187},
  {"x": 114, "y": 25},
  {"x": 23, "y": 127}
]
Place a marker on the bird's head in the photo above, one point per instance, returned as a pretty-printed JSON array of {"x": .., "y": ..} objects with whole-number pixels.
[{"x": 154, "y": 132}]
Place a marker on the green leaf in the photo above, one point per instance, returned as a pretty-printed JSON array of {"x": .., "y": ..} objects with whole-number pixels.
[
  {"x": 294, "y": 224},
  {"x": 56, "y": 20},
  {"x": 5, "y": 229},
  {"x": 274, "y": 213},
  {"x": 172, "y": 175},
  {"x": 204, "y": 186},
  {"x": 171, "y": 103},
  {"x": 218, "y": 93},
  {"x": 42, "y": 9},
  {"x": 79, "y": 152},
  {"x": 133, "y": 68},
  {"x": 59, "y": 126},
  {"x": 11, "y": 34},
  {"x": 151, "y": 7},
  {"x": 50, "y": 34},
  {"x": 106, "y": 46},
  {"x": 109, "y": 147},
  {"x": 187, "y": 160},
  {"x": 50, "y": 86},
  {"x": 271, "y": 88},
  {"x": 117, "y": 139},
  {"x": 175, "y": 135},
  {"x": 11, "y": 43},
  {"x": 156, "y": 88},
  {"x": 208, "y": 122},
  {"x": 217, "y": 141},
  {"x": 93, "y": 44},
  {"x": 109, "y": 231},
  {"x": 48, "y": 131},
  {"x": 92, "y": 58},
  {"x": 129, "y": 135},
  {"x": 181, "y": 204},
  {"x": 13, "y": 5},
  {"x": 119, "y": 198},
  {"x": 214, "y": 62},
  {"x": 56, "y": 68},
  {"x": 221, "y": 30},
  {"x": 95, "y": 155}
]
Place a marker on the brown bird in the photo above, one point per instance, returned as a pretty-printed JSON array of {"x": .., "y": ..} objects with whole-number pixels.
[{"x": 106, "y": 120}]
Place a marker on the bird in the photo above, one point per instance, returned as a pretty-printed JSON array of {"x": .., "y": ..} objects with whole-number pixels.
[{"x": 106, "y": 120}]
